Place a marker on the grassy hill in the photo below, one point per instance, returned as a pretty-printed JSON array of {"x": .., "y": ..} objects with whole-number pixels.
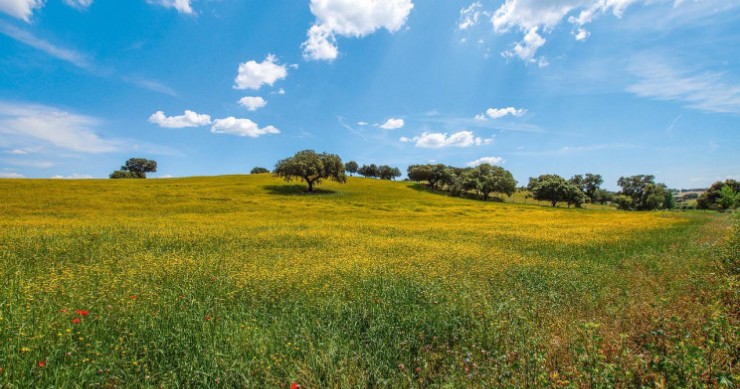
[{"x": 248, "y": 281}]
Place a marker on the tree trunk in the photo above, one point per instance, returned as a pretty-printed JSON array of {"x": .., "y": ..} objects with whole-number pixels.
[
  {"x": 554, "y": 203},
  {"x": 310, "y": 186}
]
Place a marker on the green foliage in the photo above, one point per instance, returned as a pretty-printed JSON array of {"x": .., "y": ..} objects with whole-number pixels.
[
  {"x": 369, "y": 171},
  {"x": 646, "y": 195},
  {"x": 351, "y": 167},
  {"x": 135, "y": 168},
  {"x": 718, "y": 198},
  {"x": 437, "y": 175},
  {"x": 555, "y": 189},
  {"x": 259, "y": 170},
  {"x": 386, "y": 172},
  {"x": 311, "y": 167},
  {"x": 730, "y": 248},
  {"x": 486, "y": 179}
]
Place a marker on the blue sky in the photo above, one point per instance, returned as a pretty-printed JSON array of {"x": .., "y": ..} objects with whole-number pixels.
[{"x": 208, "y": 87}]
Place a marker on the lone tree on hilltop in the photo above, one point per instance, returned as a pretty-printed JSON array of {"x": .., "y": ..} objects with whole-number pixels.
[
  {"x": 486, "y": 179},
  {"x": 259, "y": 170},
  {"x": 311, "y": 167},
  {"x": 351, "y": 167},
  {"x": 135, "y": 168}
]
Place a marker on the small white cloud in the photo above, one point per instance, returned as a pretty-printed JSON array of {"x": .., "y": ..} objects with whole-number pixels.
[
  {"x": 182, "y": 6},
  {"x": 241, "y": 127},
  {"x": 73, "y": 176},
  {"x": 253, "y": 74},
  {"x": 21, "y": 9},
  {"x": 362, "y": 124},
  {"x": 281, "y": 91},
  {"x": 188, "y": 119},
  {"x": 481, "y": 117},
  {"x": 581, "y": 34},
  {"x": 440, "y": 140},
  {"x": 351, "y": 19},
  {"x": 393, "y": 124},
  {"x": 488, "y": 160},
  {"x": 469, "y": 16},
  {"x": 11, "y": 175},
  {"x": 79, "y": 4},
  {"x": 497, "y": 113},
  {"x": 527, "y": 48},
  {"x": 252, "y": 103},
  {"x": 17, "y": 152}
]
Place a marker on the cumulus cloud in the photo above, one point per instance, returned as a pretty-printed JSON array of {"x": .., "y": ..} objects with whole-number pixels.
[
  {"x": 241, "y": 127},
  {"x": 488, "y": 160},
  {"x": 24, "y": 123},
  {"x": 188, "y": 119},
  {"x": 393, "y": 124},
  {"x": 497, "y": 113},
  {"x": 21, "y": 9},
  {"x": 362, "y": 124},
  {"x": 182, "y": 6},
  {"x": 252, "y": 103},
  {"x": 253, "y": 74},
  {"x": 440, "y": 140},
  {"x": 349, "y": 18},
  {"x": 535, "y": 17}
]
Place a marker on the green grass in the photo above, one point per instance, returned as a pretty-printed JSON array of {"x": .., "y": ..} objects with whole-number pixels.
[{"x": 246, "y": 281}]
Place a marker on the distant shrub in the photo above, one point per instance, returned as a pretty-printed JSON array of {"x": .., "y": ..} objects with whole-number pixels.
[{"x": 259, "y": 170}]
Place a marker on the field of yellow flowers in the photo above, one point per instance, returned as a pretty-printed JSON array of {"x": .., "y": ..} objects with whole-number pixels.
[{"x": 247, "y": 281}]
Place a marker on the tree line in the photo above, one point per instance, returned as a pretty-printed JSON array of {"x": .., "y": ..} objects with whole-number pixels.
[{"x": 638, "y": 193}]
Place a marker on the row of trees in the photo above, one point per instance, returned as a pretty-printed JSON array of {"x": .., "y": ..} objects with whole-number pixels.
[
  {"x": 482, "y": 180},
  {"x": 384, "y": 172}
]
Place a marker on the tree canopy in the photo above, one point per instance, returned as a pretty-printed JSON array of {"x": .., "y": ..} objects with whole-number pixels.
[
  {"x": 259, "y": 170},
  {"x": 486, "y": 179},
  {"x": 556, "y": 189},
  {"x": 722, "y": 195},
  {"x": 135, "y": 168},
  {"x": 312, "y": 168},
  {"x": 351, "y": 167},
  {"x": 642, "y": 193}
]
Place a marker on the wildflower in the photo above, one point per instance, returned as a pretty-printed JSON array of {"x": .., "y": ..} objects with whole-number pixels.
[
  {"x": 76, "y": 320},
  {"x": 133, "y": 297},
  {"x": 82, "y": 312},
  {"x": 41, "y": 363},
  {"x": 295, "y": 385},
  {"x": 25, "y": 349},
  {"x": 208, "y": 318}
]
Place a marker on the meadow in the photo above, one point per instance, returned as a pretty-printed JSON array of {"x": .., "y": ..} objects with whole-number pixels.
[{"x": 246, "y": 281}]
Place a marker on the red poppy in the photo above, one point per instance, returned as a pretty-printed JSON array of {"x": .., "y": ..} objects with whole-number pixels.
[
  {"x": 295, "y": 386},
  {"x": 82, "y": 313},
  {"x": 76, "y": 320},
  {"x": 41, "y": 363},
  {"x": 133, "y": 297},
  {"x": 208, "y": 318}
]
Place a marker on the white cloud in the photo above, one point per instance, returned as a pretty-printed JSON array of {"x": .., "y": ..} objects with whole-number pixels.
[
  {"x": 532, "y": 17},
  {"x": 253, "y": 103},
  {"x": 488, "y": 160},
  {"x": 527, "y": 48},
  {"x": 469, "y": 16},
  {"x": 73, "y": 176},
  {"x": 22, "y": 123},
  {"x": 29, "y": 39},
  {"x": 439, "y": 140},
  {"x": 363, "y": 124},
  {"x": 188, "y": 119},
  {"x": 182, "y": 6},
  {"x": 393, "y": 124},
  {"x": 17, "y": 152},
  {"x": 497, "y": 113},
  {"x": 241, "y": 127},
  {"x": 79, "y": 4},
  {"x": 706, "y": 91},
  {"x": 11, "y": 175},
  {"x": 350, "y": 18},
  {"x": 252, "y": 75},
  {"x": 21, "y": 9}
]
